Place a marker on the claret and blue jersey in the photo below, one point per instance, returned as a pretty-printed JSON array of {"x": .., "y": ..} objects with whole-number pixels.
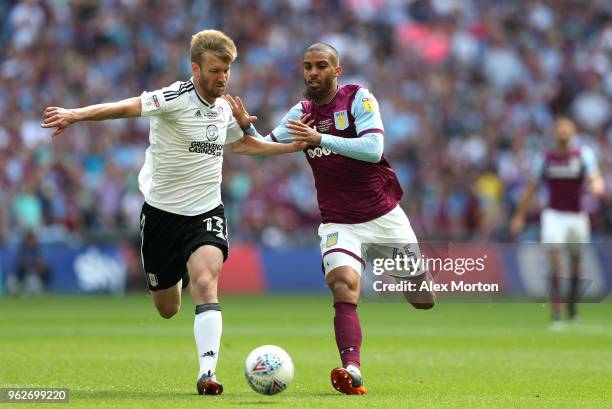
[
  {"x": 354, "y": 181},
  {"x": 564, "y": 175}
]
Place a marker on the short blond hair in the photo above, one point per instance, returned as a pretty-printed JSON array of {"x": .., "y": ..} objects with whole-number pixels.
[{"x": 215, "y": 42}]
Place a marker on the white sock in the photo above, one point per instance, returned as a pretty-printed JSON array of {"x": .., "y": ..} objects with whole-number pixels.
[{"x": 207, "y": 330}]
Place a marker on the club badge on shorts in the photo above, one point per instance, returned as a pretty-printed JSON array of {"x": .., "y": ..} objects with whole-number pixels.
[
  {"x": 332, "y": 239},
  {"x": 341, "y": 120},
  {"x": 153, "y": 279}
]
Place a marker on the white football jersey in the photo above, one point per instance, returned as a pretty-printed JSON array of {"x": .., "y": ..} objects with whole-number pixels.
[{"x": 182, "y": 169}]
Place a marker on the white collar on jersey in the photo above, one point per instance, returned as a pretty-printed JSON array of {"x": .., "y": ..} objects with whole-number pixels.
[{"x": 202, "y": 100}]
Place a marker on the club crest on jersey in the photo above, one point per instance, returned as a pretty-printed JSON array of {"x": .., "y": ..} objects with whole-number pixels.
[
  {"x": 341, "y": 120},
  {"x": 332, "y": 239},
  {"x": 212, "y": 133}
]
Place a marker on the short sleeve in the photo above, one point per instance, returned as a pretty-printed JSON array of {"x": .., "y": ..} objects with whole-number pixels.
[
  {"x": 153, "y": 103},
  {"x": 366, "y": 113},
  {"x": 164, "y": 100},
  {"x": 281, "y": 132},
  {"x": 590, "y": 161}
]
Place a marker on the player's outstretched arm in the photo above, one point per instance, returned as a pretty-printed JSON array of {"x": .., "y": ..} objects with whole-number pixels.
[
  {"x": 517, "y": 224},
  {"x": 368, "y": 147},
  {"x": 279, "y": 134},
  {"x": 249, "y": 145},
  {"x": 61, "y": 118},
  {"x": 253, "y": 143}
]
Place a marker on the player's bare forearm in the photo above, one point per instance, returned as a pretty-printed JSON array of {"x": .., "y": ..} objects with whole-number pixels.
[
  {"x": 61, "y": 118},
  {"x": 517, "y": 224},
  {"x": 257, "y": 147},
  {"x": 597, "y": 185},
  {"x": 523, "y": 205},
  {"x": 127, "y": 108}
]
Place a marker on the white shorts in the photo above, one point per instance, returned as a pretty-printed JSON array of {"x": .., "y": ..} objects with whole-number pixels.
[
  {"x": 341, "y": 244},
  {"x": 565, "y": 227}
]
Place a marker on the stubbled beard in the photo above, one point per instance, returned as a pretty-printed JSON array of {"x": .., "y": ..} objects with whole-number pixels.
[
  {"x": 318, "y": 95},
  {"x": 212, "y": 91}
]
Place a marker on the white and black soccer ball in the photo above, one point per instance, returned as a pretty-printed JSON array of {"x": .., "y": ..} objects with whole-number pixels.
[{"x": 268, "y": 369}]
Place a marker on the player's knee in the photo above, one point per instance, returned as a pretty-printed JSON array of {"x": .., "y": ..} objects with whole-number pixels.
[
  {"x": 343, "y": 286},
  {"x": 205, "y": 282}
]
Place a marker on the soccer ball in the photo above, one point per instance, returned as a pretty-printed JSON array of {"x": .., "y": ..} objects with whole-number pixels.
[{"x": 268, "y": 369}]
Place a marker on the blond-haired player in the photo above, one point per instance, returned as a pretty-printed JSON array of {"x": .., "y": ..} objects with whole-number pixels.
[{"x": 183, "y": 226}]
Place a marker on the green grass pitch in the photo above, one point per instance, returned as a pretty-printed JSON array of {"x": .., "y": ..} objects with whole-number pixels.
[{"x": 115, "y": 352}]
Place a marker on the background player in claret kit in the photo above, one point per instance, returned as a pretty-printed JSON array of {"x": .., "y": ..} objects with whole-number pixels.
[
  {"x": 563, "y": 170},
  {"x": 357, "y": 191},
  {"x": 183, "y": 226}
]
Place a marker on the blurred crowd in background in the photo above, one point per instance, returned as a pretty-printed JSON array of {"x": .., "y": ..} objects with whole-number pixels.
[{"x": 468, "y": 92}]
